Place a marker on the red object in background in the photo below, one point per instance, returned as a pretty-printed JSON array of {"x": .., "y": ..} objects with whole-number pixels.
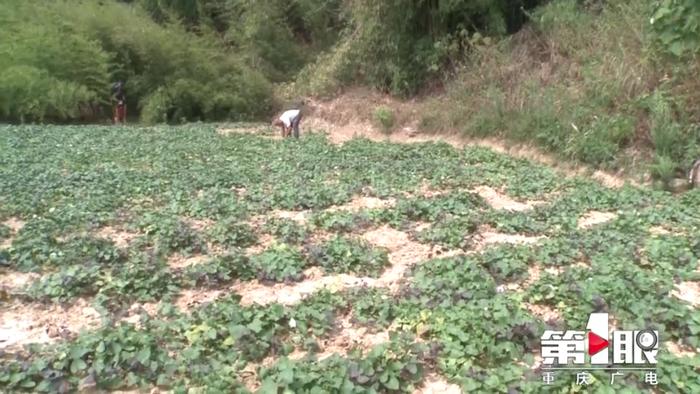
[{"x": 120, "y": 113}]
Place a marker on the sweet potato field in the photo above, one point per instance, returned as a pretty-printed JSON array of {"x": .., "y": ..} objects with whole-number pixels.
[{"x": 181, "y": 259}]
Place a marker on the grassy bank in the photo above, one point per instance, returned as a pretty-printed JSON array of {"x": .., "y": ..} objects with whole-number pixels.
[{"x": 588, "y": 83}]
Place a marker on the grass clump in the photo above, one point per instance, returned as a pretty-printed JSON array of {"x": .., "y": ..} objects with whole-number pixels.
[{"x": 384, "y": 116}]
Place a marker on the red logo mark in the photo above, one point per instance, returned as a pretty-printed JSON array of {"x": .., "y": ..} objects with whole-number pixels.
[{"x": 596, "y": 343}]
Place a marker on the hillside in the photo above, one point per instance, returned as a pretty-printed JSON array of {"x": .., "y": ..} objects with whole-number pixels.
[{"x": 610, "y": 84}]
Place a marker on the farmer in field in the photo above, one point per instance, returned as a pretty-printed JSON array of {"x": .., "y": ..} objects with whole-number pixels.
[
  {"x": 289, "y": 121},
  {"x": 119, "y": 100},
  {"x": 694, "y": 174}
]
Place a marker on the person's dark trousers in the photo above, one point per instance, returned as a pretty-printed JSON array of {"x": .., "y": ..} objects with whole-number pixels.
[{"x": 295, "y": 125}]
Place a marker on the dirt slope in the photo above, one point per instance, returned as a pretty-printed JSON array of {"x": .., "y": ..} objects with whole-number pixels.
[{"x": 351, "y": 115}]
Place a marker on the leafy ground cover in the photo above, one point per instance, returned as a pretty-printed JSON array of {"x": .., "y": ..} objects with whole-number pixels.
[{"x": 182, "y": 258}]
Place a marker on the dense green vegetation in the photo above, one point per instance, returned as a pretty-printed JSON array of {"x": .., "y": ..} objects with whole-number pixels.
[
  {"x": 597, "y": 83},
  {"x": 608, "y": 83},
  {"x": 448, "y": 316},
  {"x": 215, "y": 59}
]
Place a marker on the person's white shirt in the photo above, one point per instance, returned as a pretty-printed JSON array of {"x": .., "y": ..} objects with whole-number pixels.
[{"x": 288, "y": 116}]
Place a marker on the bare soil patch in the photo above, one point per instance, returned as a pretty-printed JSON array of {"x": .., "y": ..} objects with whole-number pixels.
[
  {"x": 661, "y": 230},
  {"x": 688, "y": 292},
  {"x": 13, "y": 281},
  {"x": 191, "y": 298},
  {"x": 403, "y": 253},
  {"x": 679, "y": 350},
  {"x": 594, "y": 218},
  {"x": 120, "y": 238},
  {"x": 658, "y": 230},
  {"x": 362, "y": 202},
  {"x": 15, "y": 224},
  {"x": 498, "y": 200},
  {"x": 349, "y": 336},
  {"x": 301, "y": 217},
  {"x": 178, "y": 261},
  {"x": 489, "y": 237},
  {"x": 264, "y": 242},
  {"x": 426, "y": 190},
  {"x": 257, "y": 221},
  {"x": 255, "y": 292},
  {"x": 137, "y": 309},
  {"x": 534, "y": 273},
  {"x": 436, "y": 384},
  {"x": 582, "y": 264},
  {"x": 22, "y": 323},
  {"x": 544, "y": 312},
  {"x": 199, "y": 225},
  {"x": 319, "y": 237},
  {"x": 610, "y": 180},
  {"x": 250, "y": 128}
]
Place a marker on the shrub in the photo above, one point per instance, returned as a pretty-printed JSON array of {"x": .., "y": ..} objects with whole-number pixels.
[
  {"x": 396, "y": 46},
  {"x": 218, "y": 271},
  {"x": 65, "y": 59},
  {"x": 676, "y": 24},
  {"x": 69, "y": 282},
  {"x": 663, "y": 168},
  {"x": 602, "y": 140},
  {"x": 230, "y": 233},
  {"x": 279, "y": 263},
  {"x": 286, "y": 230},
  {"x": 384, "y": 116}
]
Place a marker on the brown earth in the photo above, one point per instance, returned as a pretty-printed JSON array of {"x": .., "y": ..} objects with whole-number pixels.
[
  {"x": 688, "y": 292},
  {"x": 594, "y": 218},
  {"x": 23, "y": 323},
  {"x": 13, "y": 281},
  {"x": 498, "y": 200},
  {"x": 435, "y": 384},
  {"x": 119, "y": 237},
  {"x": 359, "y": 203},
  {"x": 178, "y": 261}
]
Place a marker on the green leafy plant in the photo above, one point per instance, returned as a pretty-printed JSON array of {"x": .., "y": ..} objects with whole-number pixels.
[
  {"x": 286, "y": 230},
  {"x": 70, "y": 282},
  {"x": 171, "y": 234},
  {"x": 676, "y": 24},
  {"x": 341, "y": 221},
  {"x": 453, "y": 232},
  {"x": 279, "y": 263},
  {"x": 231, "y": 233},
  {"x": 219, "y": 270},
  {"x": 143, "y": 277},
  {"x": 372, "y": 307},
  {"x": 349, "y": 255},
  {"x": 394, "y": 367},
  {"x": 5, "y": 232},
  {"x": 664, "y": 169}
]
